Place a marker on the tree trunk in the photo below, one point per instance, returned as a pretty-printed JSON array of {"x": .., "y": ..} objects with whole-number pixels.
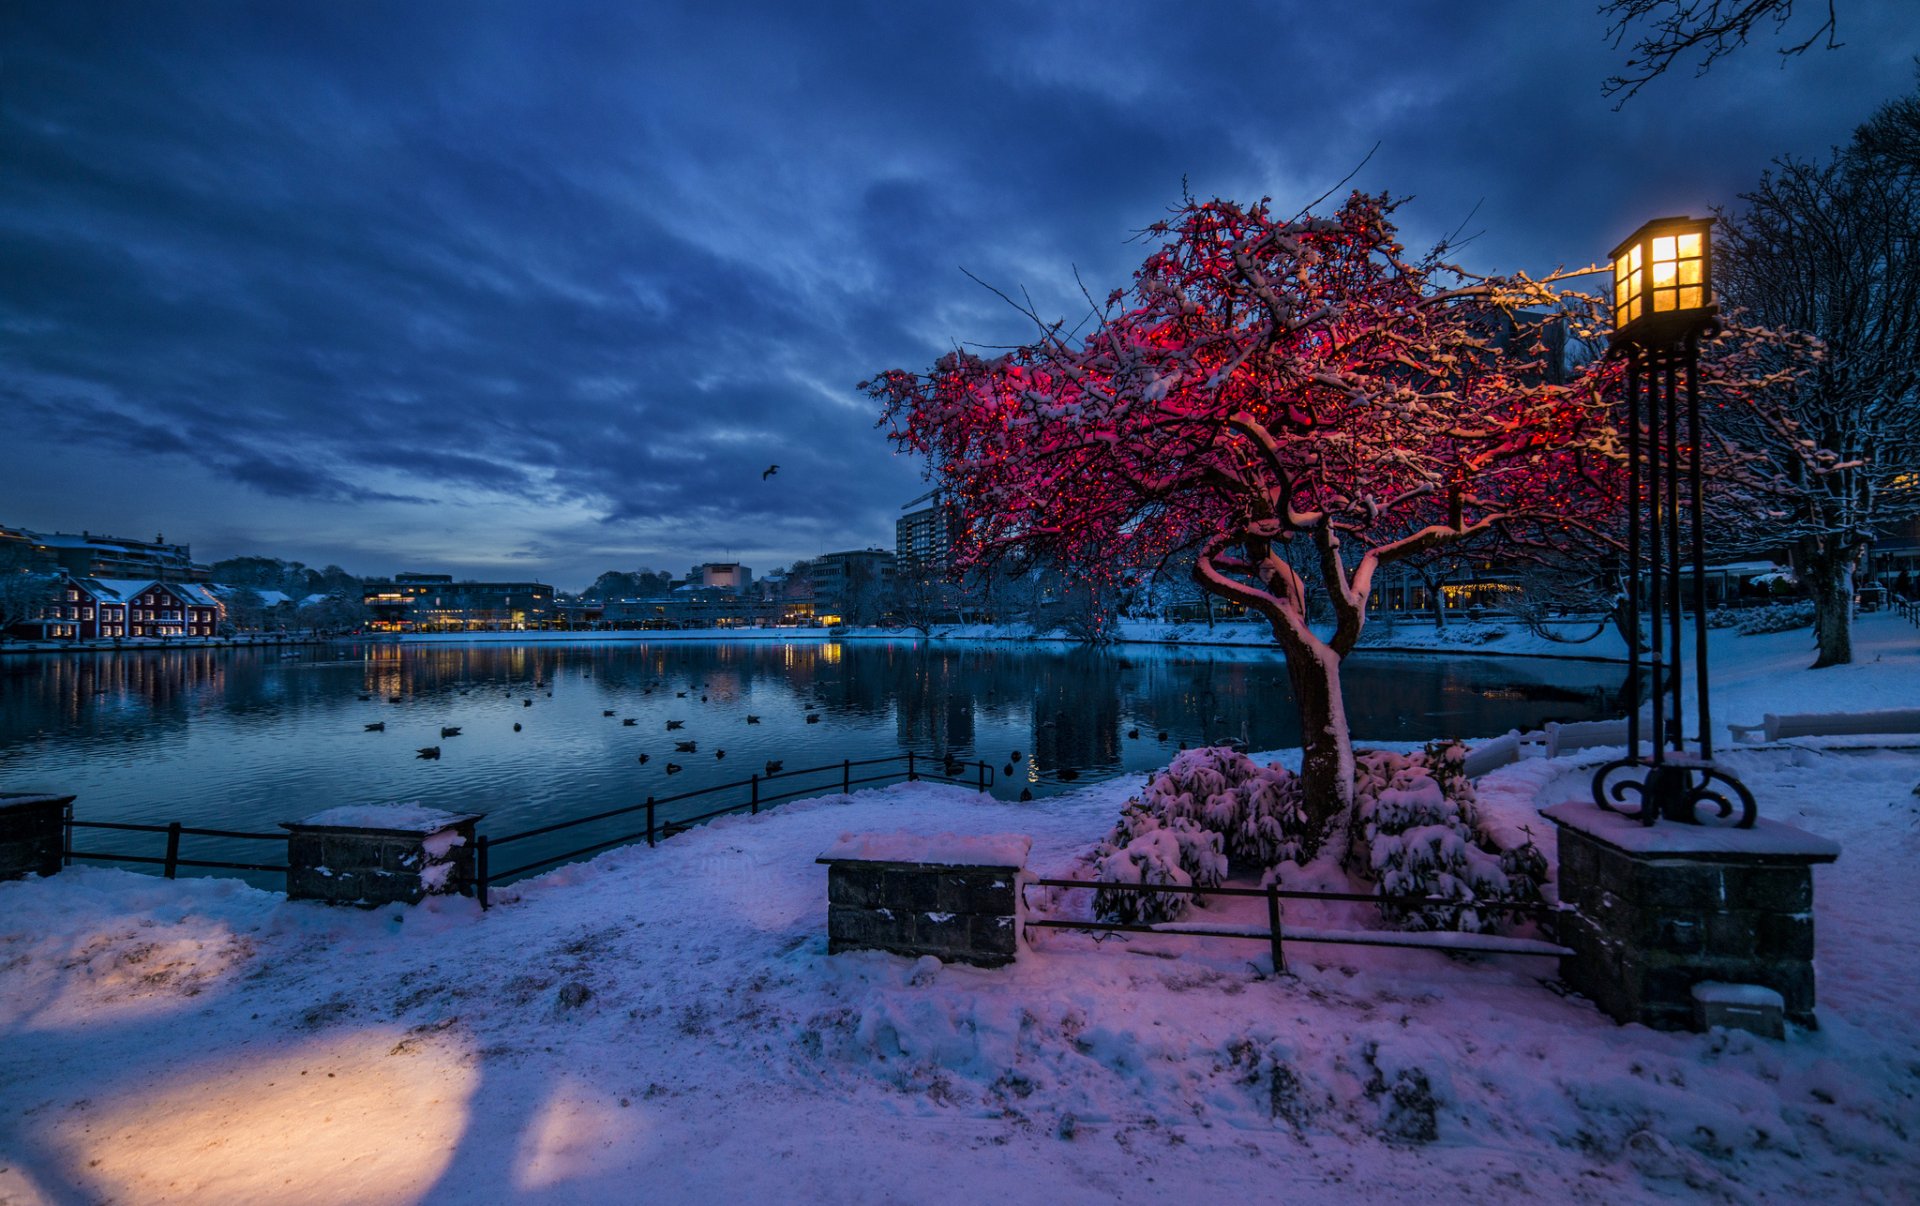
[
  {"x": 1437, "y": 603},
  {"x": 1830, "y": 579},
  {"x": 1326, "y": 765}
]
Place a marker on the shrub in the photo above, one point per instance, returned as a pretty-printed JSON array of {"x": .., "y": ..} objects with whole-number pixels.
[{"x": 1416, "y": 832}]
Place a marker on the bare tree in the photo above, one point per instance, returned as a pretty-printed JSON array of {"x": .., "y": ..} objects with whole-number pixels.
[
  {"x": 1829, "y": 250},
  {"x": 25, "y": 585},
  {"x": 1665, "y": 30}
]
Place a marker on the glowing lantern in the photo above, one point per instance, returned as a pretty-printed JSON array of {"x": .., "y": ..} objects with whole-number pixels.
[{"x": 1663, "y": 279}]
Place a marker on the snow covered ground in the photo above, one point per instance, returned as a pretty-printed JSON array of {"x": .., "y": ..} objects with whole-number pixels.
[{"x": 667, "y": 1025}]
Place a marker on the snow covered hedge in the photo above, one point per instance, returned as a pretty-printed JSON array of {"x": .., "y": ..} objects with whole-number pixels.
[
  {"x": 1413, "y": 831},
  {"x": 1758, "y": 621}
]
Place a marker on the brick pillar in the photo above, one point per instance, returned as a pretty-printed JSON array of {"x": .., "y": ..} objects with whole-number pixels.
[
  {"x": 956, "y": 898},
  {"x": 31, "y": 826},
  {"x": 1659, "y": 909},
  {"x": 380, "y": 854}
]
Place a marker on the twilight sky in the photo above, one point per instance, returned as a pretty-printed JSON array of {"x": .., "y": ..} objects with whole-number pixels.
[{"x": 540, "y": 289}]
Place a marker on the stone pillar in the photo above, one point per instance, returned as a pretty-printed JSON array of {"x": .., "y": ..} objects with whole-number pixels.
[
  {"x": 954, "y": 897},
  {"x": 380, "y": 854},
  {"x": 1659, "y": 909},
  {"x": 31, "y": 826}
]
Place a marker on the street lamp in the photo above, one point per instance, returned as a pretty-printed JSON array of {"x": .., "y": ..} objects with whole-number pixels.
[{"x": 1662, "y": 306}]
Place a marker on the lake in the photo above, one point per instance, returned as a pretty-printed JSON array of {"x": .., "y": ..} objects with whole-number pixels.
[{"x": 245, "y": 738}]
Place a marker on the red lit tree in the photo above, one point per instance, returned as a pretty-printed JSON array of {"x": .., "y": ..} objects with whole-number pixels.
[{"x": 1264, "y": 384}]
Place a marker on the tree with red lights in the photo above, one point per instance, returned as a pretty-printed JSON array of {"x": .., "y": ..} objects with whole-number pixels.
[{"x": 1270, "y": 384}]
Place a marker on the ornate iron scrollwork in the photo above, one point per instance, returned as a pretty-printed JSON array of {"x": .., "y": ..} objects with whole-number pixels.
[{"x": 1675, "y": 791}]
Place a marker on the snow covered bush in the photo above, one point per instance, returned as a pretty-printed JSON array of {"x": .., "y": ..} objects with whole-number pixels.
[
  {"x": 1778, "y": 617},
  {"x": 1260, "y": 811},
  {"x": 1416, "y": 832},
  {"x": 1217, "y": 806},
  {"x": 1154, "y": 857}
]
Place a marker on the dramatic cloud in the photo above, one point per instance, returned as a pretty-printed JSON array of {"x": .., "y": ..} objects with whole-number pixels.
[{"x": 438, "y": 285}]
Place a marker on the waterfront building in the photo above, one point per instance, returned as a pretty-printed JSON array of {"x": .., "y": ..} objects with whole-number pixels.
[
  {"x": 92, "y": 556},
  {"x": 853, "y": 587},
  {"x": 436, "y": 603}
]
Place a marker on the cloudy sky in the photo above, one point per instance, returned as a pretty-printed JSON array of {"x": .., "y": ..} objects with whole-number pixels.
[{"x": 540, "y": 289}]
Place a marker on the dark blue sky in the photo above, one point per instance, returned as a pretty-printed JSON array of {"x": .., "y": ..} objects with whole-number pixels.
[{"x": 540, "y": 289}]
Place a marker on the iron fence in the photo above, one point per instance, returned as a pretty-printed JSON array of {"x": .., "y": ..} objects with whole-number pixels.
[
  {"x": 171, "y": 860},
  {"x": 850, "y": 773},
  {"x": 1276, "y": 935}
]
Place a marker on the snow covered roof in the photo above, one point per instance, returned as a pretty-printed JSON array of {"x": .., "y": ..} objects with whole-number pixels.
[
  {"x": 124, "y": 588},
  {"x": 194, "y": 592}
]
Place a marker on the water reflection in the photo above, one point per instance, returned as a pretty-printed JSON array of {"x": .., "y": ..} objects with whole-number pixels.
[{"x": 248, "y": 737}]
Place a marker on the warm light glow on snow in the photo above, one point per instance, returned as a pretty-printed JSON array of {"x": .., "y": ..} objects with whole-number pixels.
[
  {"x": 571, "y": 1136},
  {"x": 363, "y": 1117}
]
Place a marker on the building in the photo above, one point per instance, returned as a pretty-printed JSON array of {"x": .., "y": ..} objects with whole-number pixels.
[
  {"x": 721, "y": 575},
  {"x": 436, "y": 603},
  {"x": 924, "y": 539},
  {"x": 88, "y": 609},
  {"x": 852, "y": 587},
  {"x": 91, "y": 556}
]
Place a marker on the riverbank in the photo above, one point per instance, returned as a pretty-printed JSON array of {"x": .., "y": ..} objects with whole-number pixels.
[
  {"x": 1575, "y": 640},
  {"x": 154, "y": 644}
]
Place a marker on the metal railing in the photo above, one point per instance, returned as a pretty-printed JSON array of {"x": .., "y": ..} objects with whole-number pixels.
[
  {"x": 1910, "y": 609},
  {"x": 171, "y": 861},
  {"x": 916, "y": 767},
  {"x": 1276, "y": 935}
]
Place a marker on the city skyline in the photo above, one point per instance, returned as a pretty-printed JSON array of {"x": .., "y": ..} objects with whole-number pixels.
[{"x": 509, "y": 293}]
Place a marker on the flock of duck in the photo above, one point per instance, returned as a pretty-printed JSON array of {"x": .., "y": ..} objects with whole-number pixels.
[
  {"x": 952, "y": 767},
  {"x": 432, "y": 752}
]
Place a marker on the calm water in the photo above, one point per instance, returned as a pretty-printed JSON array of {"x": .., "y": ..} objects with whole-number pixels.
[{"x": 246, "y": 738}]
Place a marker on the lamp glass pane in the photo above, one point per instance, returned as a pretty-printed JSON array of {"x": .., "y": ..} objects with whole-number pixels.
[
  {"x": 1663, "y": 273},
  {"x": 1690, "y": 245},
  {"x": 1692, "y": 298},
  {"x": 1633, "y": 258},
  {"x": 1663, "y": 248},
  {"x": 1662, "y": 300},
  {"x": 1689, "y": 272}
]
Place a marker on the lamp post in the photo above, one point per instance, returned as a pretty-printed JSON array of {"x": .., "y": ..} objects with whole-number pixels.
[{"x": 1662, "y": 306}]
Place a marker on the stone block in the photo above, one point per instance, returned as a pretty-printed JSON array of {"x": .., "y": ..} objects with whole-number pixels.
[
  {"x": 1730, "y": 935},
  {"x": 1776, "y": 889},
  {"x": 376, "y": 856},
  {"x": 913, "y": 889},
  {"x": 1750, "y": 1007},
  {"x": 1784, "y": 935},
  {"x": 32, "y": 834},
  {"x": 1658, "y": 911},
  {"x": 958, "y": 911},
  {"x": 851, "y": 884},
  {"x": 1694, "y": 887}
]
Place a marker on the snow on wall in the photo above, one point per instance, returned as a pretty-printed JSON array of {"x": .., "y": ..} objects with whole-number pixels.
[{"x": 941, "y": 849}]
